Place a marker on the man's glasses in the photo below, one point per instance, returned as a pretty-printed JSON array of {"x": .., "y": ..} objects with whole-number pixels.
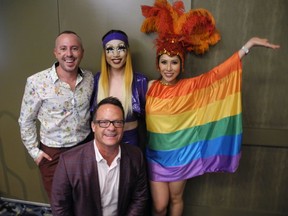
[{"x": 106, "y": 123}]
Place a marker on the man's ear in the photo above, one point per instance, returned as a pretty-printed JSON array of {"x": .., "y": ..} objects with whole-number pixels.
[{"x": 93, "y": 126}]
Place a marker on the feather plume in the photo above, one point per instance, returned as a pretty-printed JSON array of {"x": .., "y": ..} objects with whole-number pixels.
[{"x": 179, "y": 32}]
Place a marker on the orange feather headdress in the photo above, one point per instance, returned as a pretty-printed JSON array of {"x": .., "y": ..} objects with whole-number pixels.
[{"x": 179, "y": 32}]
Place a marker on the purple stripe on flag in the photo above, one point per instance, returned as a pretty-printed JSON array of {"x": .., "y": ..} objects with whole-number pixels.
[{"x": 195, "y": 168}]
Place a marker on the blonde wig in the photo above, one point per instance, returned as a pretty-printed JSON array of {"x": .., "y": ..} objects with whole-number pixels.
[{"x": 103, "y": 86}]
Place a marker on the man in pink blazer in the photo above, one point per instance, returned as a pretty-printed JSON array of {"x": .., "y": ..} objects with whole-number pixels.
[{"x": 101, "y": 177}]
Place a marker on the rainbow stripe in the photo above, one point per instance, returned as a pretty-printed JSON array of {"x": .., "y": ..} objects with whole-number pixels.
[{"x": 195, "y": 126}]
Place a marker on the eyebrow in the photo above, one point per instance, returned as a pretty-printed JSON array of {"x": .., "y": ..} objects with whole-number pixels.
[{"x": 111, "y": 45}]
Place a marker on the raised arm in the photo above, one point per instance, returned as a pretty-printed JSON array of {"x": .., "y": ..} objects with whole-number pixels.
[{"x": 255, "y": 41}]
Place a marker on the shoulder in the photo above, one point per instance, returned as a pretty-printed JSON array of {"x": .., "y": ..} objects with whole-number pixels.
[
  {"x": 78, "y": 151},
  {"x": 43, "y": 75},
  {"x": 150, "y": 83},
  {"x": 97, "y": 75},
  {"x": 87, "y": 73},
  {"x": 140, "y": 77},
  {"x": 134, "y": 152}
]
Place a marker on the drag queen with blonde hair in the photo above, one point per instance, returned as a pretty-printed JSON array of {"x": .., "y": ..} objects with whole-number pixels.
[{"x": 118, "y": 79}]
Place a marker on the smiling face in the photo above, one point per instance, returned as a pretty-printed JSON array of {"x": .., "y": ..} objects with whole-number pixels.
[
  {"x": 110, "y": 136},
  {"x": 68, "y": 52},
  {"x": 116, "y": 53},
  {"x": 170, "y": 67}
]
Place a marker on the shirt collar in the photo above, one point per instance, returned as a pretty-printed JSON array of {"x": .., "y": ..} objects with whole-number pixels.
[
  {"x": 99, "y": 157},
  {"x": 55, "y": 77}
]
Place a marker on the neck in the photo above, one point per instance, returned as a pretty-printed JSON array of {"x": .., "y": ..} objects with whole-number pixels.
[
  {"x": 116, "y": 72},
  {"x": 108, "y": 152},
  {"x": 163, "y": 82},
  {"x": 67, "y": 77}
]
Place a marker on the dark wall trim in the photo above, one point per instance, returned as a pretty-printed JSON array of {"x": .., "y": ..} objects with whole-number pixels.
[{"x": 265, "y": 137}]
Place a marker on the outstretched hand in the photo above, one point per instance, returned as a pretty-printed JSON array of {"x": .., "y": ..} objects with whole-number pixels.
[{"x": 256, "y": 41}]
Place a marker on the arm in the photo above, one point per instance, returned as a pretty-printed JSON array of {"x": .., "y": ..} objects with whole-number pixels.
[
  {"x": 31, "y": 104},
  {"x": 141, "y": 85},
  {"x": 61, "y": 195},
  {"x": 255, "y": 41}
]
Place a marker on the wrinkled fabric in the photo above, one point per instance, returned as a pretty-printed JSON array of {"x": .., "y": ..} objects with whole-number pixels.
[
  {"x": 63, "y": 113},
  {"x": 195, "y": 126}
]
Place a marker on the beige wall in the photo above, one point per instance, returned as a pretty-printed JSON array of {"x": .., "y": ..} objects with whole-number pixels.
[{"x": 27, "y": 32}]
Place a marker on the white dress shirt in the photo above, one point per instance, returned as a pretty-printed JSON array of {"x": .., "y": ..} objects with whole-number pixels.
[{"x": 109, "y": 182}]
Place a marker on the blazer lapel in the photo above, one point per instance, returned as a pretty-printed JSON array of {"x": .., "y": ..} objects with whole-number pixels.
[
  {"x": 94, "y": 178},
  {"x": 124, "y": 180}
]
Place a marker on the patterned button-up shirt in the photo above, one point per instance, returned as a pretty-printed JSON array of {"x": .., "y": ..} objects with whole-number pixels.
[{"x": 63, "y": 114}]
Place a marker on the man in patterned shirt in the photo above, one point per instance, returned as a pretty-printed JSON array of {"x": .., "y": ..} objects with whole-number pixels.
[{"x": 59, "y": 98}]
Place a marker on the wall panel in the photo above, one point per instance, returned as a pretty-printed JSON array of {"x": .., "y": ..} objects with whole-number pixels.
[{"x": 27, "y": 32}]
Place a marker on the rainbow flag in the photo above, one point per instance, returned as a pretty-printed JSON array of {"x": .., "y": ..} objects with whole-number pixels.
[{"x": 195, "y": 126}]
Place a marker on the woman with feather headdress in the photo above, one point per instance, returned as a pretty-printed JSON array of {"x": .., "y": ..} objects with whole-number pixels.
[{"x": 194, "y": 125}]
